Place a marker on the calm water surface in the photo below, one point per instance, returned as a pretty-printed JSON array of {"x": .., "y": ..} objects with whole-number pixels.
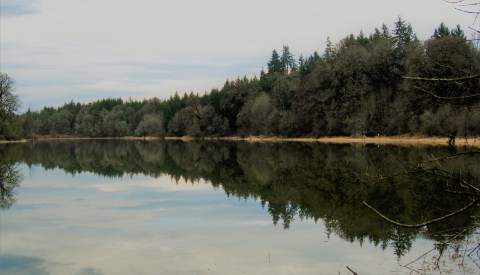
[{"x": 131, "y": 207}]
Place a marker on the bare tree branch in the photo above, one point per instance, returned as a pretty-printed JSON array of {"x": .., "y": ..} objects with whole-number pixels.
[
  {"x": 453, "y": 2},
  {"x": 470, "y": 205},
  {"x": 475, "y": 31},
  {"x": 471, "y": 12},
  {"x": 471, "y": 4},
  {"x": 435, "y": 159},
  {"x": 463, "y": 193},
  {"x": 467, "y": 72},
  {"x": 446, "y": 97},
  {"x": 354, "y": 273},
  {"x": 448, "y": 175},
  {"x": 463, "y": 78},
  {"x": 462, "y": 6}
]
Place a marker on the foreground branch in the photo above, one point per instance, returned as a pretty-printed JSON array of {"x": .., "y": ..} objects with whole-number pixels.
[
  {"x": 446, "y": 97},
  {"x": 472, "y": 204},
  {"x": 463, "y": 78},
  {"x": 450, "y": 175},
  {"x": 435, "y": 159}
]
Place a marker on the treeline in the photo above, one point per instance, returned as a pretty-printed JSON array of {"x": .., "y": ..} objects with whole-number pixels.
[{"x": 356, "y": 87}]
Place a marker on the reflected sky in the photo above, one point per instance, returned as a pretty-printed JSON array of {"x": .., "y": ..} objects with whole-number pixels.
[{"x": 86, "y": 224}]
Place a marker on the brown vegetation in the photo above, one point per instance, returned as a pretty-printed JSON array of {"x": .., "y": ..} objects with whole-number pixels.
[{"x": 392, "y": 140}]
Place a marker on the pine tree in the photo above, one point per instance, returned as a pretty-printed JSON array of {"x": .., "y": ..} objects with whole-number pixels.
[
  {"x": 329, "y": 50},
  {"x": 403, "y": 33},
  {"x": 441, "y": 31},
  {"x": 275, "y": 64},
  {"x": 288, "y": 61},
  {"x": 458, "y": 32}
]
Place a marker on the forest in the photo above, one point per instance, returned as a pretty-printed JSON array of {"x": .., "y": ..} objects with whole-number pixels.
[{"x": 364, "y": 85}]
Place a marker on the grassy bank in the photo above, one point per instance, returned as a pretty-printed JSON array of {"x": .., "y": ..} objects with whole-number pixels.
[
  {"x": 393, "y": 140},
  {"x": 13, "y": 141}
]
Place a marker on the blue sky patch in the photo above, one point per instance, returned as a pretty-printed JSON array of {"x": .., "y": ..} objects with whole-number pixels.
[{"x": 12, "y": 8}]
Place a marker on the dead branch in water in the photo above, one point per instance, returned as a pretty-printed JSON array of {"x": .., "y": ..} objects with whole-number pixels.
[{"x": 472, "y": 204}]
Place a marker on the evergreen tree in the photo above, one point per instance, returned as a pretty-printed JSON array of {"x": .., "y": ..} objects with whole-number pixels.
[
  {"x": 458, "y": 32},
  {"x": 403, "y": 33},
  {"x": 385, "y": 31},
  {"x": 287, "y": 60},
  {"x": 441, "y": 31},
  {"x": 275, "y": 64},
  {"x": 329, "y": 49}
]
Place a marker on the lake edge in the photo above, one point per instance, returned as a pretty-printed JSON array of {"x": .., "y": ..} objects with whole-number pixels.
[{"x": 402, "y": 140}]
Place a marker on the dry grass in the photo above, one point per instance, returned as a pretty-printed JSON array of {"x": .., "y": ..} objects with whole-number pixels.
[
  {"x": 13, "y": 141},
  {"x": 393, "y": 140},
  {"x": 402, "y": 140}
]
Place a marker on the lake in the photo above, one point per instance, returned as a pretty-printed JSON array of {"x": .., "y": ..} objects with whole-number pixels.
[{"x": 136, "y": 207}]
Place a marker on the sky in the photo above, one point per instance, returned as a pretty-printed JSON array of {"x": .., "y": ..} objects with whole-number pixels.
[{"x": 85, "y": 50}]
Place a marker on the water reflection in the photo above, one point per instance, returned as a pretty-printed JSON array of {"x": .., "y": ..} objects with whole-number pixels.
[
  {"x": 9, "y": 179},
  {"x": 306, "y": 181}
]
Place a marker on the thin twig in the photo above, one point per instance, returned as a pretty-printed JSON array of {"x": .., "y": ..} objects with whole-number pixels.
[
  {"x": 435, "y": 159},
  {"x": 354, "y": 273},
  {"x": 473, "y": 29},
  {"x": 465, "y": 252},
  {"x": 449, "y": 175},
  {"x": 453, "y": 68},
  {"x": 424, "y": 254},
  {"x": 453, "y": 2},
  {"x": 463, "y": 193},
  {"x": 478, "y": 247},
  {"x": 471, "y": 4},
  {"x": 471, "y": 12}
]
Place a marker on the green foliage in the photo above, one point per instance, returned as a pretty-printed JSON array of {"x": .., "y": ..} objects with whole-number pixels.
[
  {"x": 276, "y": 64},
  {"x": 287, "y": 60},
  {"x": 307, "y": 65}
]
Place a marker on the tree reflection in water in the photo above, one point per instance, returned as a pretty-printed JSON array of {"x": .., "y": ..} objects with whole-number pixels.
[
  {"x": 9, "y": 179},
  {"x": 324, "y": 183}
]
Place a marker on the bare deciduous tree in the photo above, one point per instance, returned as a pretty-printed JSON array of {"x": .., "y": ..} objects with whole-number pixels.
[
  {"x": 470, "y": 7},
  {"x": 9, "y": 103}
]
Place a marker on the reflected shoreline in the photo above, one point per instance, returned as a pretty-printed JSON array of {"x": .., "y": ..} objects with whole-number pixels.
[
  {"x": 377, "y": 140},
  {"x": 321, "y": 182}
]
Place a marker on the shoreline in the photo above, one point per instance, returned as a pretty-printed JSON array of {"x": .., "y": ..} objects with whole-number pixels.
[
  {"x": 14, "y": 141},
  {"x": 384, "y": 140}
]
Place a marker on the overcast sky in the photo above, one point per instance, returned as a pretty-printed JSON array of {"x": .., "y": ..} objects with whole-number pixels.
[{"x": 85, "y": 50}]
